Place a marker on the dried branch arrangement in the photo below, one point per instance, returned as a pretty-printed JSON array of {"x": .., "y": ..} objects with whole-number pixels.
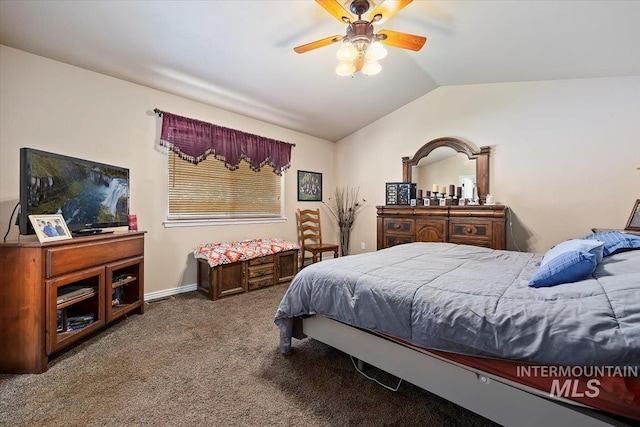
[{"x": 344, "y": 207}]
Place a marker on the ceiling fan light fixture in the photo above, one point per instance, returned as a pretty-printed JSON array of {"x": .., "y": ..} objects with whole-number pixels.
[
  {"x": 345, "y": 68},
  {"x": 376, "y": 51},
  {"x": 371, "y": 67},
  {"x": 347, "y": 52},
  {"x": 361, "y": 49}
]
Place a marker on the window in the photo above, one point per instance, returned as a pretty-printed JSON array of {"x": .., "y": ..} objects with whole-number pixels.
[
  {"x": 202, "y": 190},
  {"x": 210, "y": 191}
]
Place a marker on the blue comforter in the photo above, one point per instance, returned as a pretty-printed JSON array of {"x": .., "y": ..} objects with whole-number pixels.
[{"x": 476, "y": 301}]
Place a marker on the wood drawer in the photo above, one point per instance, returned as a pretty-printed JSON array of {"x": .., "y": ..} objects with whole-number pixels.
[
  {"x": 393, "y": 239},
  {"x": 262, "y": 260},
  {"x": 399, "y": 226},
  {"x": 260, "y": 270},
  {"x": 260, "y": 282},
  {"x": 65, "y": 259},
  {"x": 470, "y": 232}
]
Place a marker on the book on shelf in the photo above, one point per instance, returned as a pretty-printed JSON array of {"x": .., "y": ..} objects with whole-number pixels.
[
  {"x": 72, "y": 292},
  {"x": 79, "y": 322}
]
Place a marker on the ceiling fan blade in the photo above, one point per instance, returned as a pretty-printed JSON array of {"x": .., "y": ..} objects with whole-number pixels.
[
  {"x": 318, "y": 43},
  {"x": 335, "y": 8},
  {"x": 402, "y": 40},
  {"x": 387, "y": 9}
]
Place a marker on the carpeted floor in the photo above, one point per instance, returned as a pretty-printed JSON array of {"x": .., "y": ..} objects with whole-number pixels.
[{"x": 189, "y": 361}]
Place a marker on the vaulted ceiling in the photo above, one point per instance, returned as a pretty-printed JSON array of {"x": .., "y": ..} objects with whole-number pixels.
[{"x": 238, "y": 55}]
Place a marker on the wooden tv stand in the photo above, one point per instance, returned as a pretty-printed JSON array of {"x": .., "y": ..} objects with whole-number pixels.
[{"x": 38, "y": 315}]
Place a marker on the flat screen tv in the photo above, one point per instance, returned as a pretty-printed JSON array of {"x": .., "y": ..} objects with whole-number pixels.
[{"x": 89, "y": 195}]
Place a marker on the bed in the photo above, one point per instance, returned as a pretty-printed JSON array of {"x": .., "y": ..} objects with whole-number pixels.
[{"x": 462, "y": 322}]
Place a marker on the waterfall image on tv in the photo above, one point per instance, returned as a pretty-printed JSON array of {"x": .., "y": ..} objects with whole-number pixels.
[{"x": 85, "y": 193}]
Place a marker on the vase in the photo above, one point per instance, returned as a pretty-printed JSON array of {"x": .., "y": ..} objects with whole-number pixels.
[{"x": 345, "y": 234}]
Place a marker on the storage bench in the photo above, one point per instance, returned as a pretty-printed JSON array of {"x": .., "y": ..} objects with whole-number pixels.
[{"x": 234, "y": 267}]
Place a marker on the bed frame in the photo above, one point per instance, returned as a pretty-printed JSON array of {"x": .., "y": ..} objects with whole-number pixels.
[{"x": 495, "y": 398}]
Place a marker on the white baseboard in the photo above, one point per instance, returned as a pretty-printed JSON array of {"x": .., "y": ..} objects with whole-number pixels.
[{"x": 169, "y": 292}]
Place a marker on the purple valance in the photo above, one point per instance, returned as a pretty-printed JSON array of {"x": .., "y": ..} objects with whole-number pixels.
[{"x": 193, "y": 140}]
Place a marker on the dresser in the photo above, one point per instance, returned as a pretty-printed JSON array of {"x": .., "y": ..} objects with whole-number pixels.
[{"x": 469, "y": 225}]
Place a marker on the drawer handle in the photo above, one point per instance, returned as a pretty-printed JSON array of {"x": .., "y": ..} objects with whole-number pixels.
[
  {"x": 397, "y": 226},
  {"x": 468, "y": 230}
]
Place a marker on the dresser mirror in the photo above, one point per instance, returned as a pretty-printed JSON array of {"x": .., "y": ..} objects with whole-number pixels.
[
  {"x": 445, "y": 166},
  {"x": 446, "y": 161}
]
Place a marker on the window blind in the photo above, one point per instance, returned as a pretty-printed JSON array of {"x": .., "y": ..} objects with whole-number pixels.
[{"x": 210, "y": 190}]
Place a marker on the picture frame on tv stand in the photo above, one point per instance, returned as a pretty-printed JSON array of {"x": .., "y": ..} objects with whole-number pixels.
[{"x": 50, "y": 228}]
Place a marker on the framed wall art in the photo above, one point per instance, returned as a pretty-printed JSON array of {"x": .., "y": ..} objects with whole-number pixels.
[
  {"x": 309, "y": 186},
  {"x": 50, "y": 228},
  {"x": 634, "y": 220}
]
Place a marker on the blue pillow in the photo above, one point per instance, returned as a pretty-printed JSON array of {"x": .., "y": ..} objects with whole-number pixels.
[
  {"x": 566, "y": 268},
  {"x": 615, "y": 241},
  {"x": 594, "y": 247}
]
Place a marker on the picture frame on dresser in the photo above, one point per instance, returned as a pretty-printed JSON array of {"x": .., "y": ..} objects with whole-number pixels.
[
  {"x": 634, "y": 219},
  {"x": 50, "y": 228},
  {"x": 400, "y": 193}
]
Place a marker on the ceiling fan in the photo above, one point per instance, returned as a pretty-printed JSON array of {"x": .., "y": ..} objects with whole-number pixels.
[{"x": 362, "y": 48}]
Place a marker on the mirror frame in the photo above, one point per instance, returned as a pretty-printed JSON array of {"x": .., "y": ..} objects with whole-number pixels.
[{"x": 481, "y": 156}]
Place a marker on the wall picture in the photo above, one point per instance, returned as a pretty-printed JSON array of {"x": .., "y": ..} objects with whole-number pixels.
[
  {"x": 49, "y": 228},
  {"x": 634, "y": 220},
  {"x": 309, "y": 186}
]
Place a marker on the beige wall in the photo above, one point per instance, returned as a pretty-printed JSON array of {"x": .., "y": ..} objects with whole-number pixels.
[
  {"x": 55, "y": 107},
  {"x": 564, "y": 153}
]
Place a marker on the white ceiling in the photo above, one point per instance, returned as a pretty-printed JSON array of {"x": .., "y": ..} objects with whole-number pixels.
[{"x": 238, "y": 54}]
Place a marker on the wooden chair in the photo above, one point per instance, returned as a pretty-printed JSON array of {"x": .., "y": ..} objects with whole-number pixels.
[{"x": 311, "y": 235}]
